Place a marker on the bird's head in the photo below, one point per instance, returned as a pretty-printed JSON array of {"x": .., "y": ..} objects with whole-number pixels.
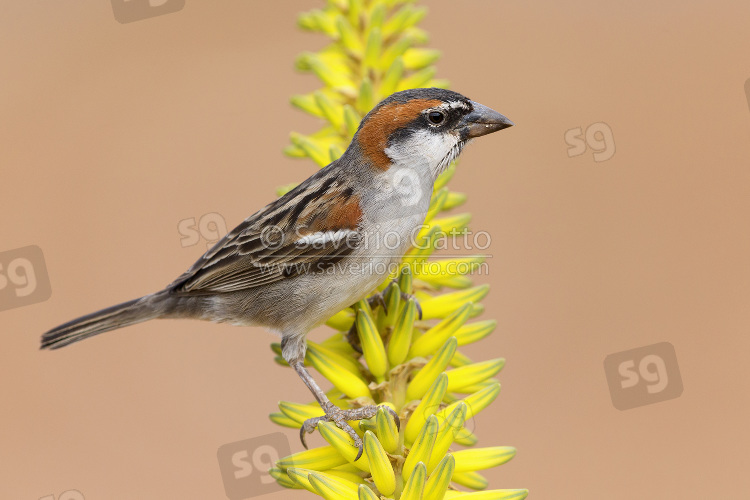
[{"x": 424, "y": 129}]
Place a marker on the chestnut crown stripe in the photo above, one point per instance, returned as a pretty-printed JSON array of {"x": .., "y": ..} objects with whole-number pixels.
[{"x": 377, "y": 128}]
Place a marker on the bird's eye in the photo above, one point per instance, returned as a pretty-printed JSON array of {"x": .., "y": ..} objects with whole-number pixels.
[{"x": 436, "y": 117}]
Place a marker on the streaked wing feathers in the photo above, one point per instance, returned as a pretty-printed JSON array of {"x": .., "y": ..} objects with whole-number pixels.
[{"x": 311, "y": 227}]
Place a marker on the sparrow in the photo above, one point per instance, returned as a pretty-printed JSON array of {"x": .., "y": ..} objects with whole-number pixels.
[{"x": 324, "y": 245}]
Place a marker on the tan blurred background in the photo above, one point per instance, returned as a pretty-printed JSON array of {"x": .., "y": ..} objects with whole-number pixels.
[{"x": 111, "y": 134}]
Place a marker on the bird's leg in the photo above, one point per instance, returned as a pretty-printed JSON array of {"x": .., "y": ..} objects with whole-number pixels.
[{"x": 332, "y": 412}]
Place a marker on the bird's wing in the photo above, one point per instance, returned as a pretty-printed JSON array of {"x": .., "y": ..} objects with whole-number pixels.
[{"x": 311, "y": 227}]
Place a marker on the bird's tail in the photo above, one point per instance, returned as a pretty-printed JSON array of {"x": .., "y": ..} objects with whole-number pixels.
[{"x": 111, "y": 318}]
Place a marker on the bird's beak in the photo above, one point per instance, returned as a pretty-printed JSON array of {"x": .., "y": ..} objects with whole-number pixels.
[{"x": 482, "y": 121}]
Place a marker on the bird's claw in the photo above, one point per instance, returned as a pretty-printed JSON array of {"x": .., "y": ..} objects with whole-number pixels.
[
  {"x": 340, "y": 418},
  {"x": 352, "y": 336},
  {"x": 378, "y": 299},
  {"x": 406, "y": 297}
]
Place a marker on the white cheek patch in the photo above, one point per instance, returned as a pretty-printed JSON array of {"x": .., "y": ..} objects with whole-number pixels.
[
  {"x": 425, "y": 151},
  {"x": 452, "y": 155}
]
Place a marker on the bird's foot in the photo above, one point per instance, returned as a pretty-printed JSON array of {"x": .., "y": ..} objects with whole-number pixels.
[
  {"x": 340, "y": 418},
  {"x": 406, "y": 297},
  {"x": 378, "y": 299},
  {"x": 352, "y": 336}
]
